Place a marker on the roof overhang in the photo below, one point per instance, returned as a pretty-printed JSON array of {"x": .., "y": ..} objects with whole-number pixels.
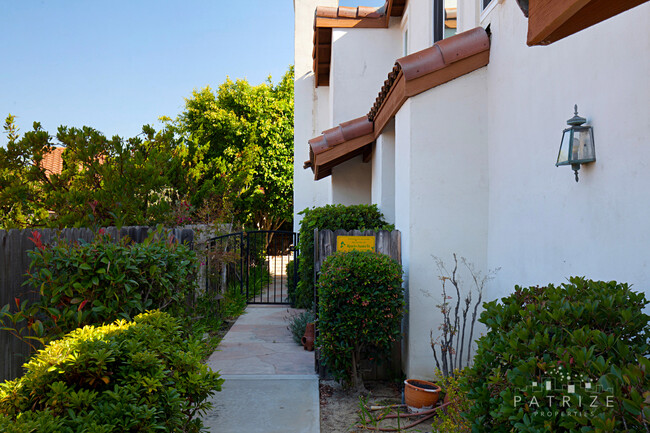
[
  {"x": 444, "y": 61},
  {"x": 339, "y": 144},
  {"x": 552, "y": 20},
  {"x": 328, "y": 18}
]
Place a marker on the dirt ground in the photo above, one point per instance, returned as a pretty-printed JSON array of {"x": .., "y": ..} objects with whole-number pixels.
[{"x": 340, "y": 410}]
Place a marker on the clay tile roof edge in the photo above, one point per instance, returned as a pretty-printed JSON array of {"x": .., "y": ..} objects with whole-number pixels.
[
  {"x": 473, "y": 45},
  {"x": 439, "y": 56}
]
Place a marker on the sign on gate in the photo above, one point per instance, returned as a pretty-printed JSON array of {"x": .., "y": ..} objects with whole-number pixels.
[{"x": 355, "y": 243}]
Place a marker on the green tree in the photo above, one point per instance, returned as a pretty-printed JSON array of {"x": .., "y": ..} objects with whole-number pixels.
[
  {"x": 239, "y": 147},
  {"x": 103, "y": 181}
]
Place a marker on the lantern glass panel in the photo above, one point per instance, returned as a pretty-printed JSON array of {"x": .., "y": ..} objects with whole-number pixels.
[
  {"x": 583, "y": 146},
  {"x": 565, "y": 148}
]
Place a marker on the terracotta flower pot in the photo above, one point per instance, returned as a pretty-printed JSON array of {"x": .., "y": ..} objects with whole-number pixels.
[
  {"x": 420, "y": 395},
  {"x": 308, "y": 338}
]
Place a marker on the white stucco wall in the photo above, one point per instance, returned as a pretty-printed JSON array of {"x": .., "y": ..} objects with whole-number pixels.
[
  {"x": 361, "y": 61},
  {"x": 311, "y": 110},
  {"x": 403, "y": 209},
  {"x": 543, "y": 226},
  {"x": 351, "y": 182},
  {"x": 383, "y": 173},
  {"x": 442, "y": 179},
  {"x": 474, "y": 158}
]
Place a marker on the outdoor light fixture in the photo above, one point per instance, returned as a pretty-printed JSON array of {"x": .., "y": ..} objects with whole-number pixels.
[{"x": 577, "y": 145}]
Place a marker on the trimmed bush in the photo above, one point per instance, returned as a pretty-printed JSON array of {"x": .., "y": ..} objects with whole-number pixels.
[
  {"x": 98, "y": 282},
  {"x": 138, "y": 376},
  {"x": 332, "y": 217},
  {"x": 360, "y": 311},
  {"x": 592, "y": 332}
]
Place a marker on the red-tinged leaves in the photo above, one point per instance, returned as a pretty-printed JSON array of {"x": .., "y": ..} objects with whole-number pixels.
[
  {"x": 82, "y": 305},
  {"x": 36, "y": 239},
  {"x": 17, "y": 302}
]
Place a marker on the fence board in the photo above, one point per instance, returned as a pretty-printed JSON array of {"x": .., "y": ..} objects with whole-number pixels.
[{"x": 14, "y": 263}]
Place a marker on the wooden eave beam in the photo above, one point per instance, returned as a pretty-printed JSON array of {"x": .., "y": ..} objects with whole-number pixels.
[
  {"x": 552, "y": 20},
  {"x": 343, "y": 149},
  {"x": 349, "y": 23},
  {"x": 389, "y": 11}
]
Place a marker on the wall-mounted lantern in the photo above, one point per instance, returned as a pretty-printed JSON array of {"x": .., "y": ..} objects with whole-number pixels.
[{"x": 577, "y": 145}]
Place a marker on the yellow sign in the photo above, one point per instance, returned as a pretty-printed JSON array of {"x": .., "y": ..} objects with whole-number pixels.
[{"x": 355, "y": 243}]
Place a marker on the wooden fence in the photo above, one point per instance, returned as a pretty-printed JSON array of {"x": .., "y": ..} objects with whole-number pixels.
[
  {"x": 14, "y": 263},
  {"x": 386, "y": 242}
]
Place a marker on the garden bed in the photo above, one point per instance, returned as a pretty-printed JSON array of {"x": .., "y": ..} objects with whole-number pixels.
[{"x": 340, "y": 409}]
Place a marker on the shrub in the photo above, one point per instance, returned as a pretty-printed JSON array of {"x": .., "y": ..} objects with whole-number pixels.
[
  {"x": 593, "y": 332},
  {"x": 136, "y": 376},
  {"x": 360, "y": 310},
  {"x": 332, "y": 217},
  {"x": 98, "y": 282},
  {"x": 298, "y": 324},
  {"x": 452, "y": 419}
]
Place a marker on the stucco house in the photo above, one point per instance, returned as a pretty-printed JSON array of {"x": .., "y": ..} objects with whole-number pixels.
[{"x": 448, "y": 114}]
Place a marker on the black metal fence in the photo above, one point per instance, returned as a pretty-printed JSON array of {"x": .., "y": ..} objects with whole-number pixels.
[{"x": 253, "y": 263}]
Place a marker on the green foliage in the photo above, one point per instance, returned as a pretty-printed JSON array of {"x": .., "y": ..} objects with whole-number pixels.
[
  {"x": 332, "y": 217},
  {"x": 103, "y": 182},
  {"x": 593, "y": 331},
  {"x": 360, "y": 310},
  {"x": 239, "y": 146},
  {"x": 234, "y": 304},
  {"x": 291, "y": 290},
  {"x": 452, "y": 419},
  {"x": 138, "y": 376},
  {"x": 92, "y": 283},
  {"x": 298, "y": 323}
]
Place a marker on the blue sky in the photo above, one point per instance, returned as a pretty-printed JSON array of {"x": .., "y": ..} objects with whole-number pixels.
[{"x": 118, "y": 64}]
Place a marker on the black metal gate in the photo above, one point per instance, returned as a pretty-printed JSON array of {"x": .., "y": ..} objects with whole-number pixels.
[{"x": 253, "y": 263}]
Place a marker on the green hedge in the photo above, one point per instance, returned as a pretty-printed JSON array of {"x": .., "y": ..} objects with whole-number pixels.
[
  {"x": 332, "y": 217},
  {"x": 361, "y": 304},
  {"x": 101, "y": 281},
  {"x": 592, "y": 332},
  {"x": 138, "y": 376}
]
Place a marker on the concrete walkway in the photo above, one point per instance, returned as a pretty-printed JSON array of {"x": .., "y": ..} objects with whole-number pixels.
[{"x": 270, "y": 381}]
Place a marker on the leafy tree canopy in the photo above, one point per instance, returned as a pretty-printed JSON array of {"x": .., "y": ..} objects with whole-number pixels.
[
  {"x": 239, "y": 146},
  {"x": 103, "y": 181}
]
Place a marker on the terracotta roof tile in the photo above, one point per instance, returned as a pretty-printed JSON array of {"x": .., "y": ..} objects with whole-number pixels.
[
  {"x": 356, "y": 128},
  {"x": 339, "y": 134},
  {"x": 421, "y": 63},
  {"x": 472, "y": 42},
  {"x": 349, "y": 12},
  {"x": 52, "y": 161}
]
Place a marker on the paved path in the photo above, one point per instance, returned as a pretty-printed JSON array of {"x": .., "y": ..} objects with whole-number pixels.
[{"x": 270, "y": 381}]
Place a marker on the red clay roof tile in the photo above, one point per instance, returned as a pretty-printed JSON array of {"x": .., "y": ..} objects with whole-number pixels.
[
  {"x": 421, "y": 63},
  {"x": 52, "y": 162},
  {"x": 356, "y": 128},
  {"x": 339, "y": 134}
]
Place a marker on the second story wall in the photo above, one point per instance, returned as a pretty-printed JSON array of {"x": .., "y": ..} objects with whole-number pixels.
[{"x": 361, "y": 59}]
